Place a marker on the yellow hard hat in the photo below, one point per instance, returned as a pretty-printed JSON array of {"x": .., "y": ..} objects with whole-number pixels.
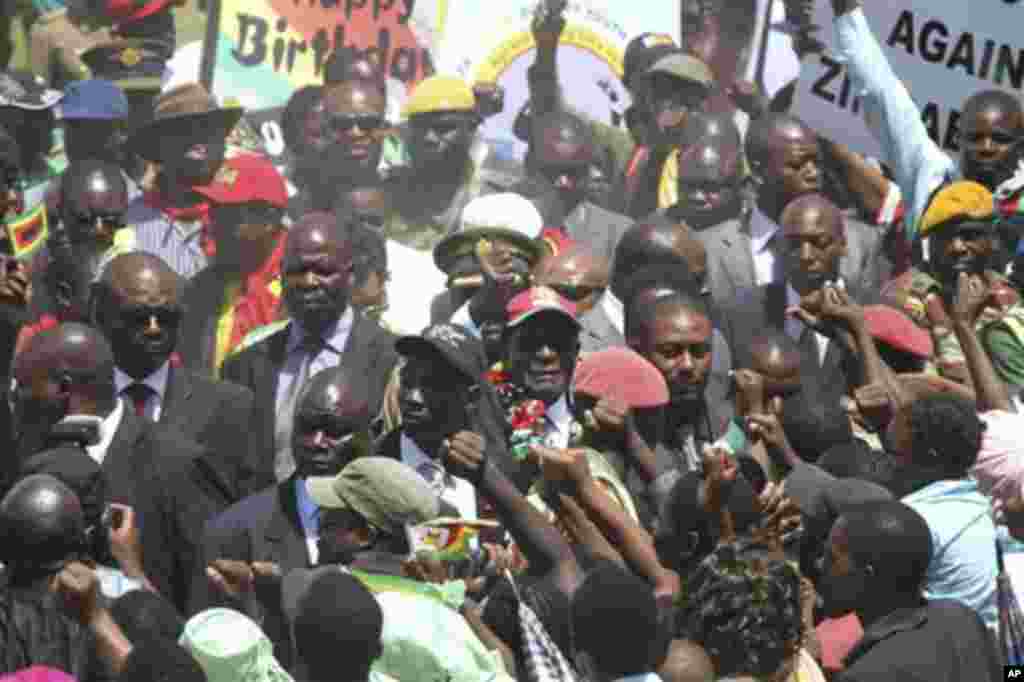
[{"x": 440, "y": 93}]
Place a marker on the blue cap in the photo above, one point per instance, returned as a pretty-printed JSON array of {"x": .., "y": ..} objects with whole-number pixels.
[{"x": 94, "y": 99}]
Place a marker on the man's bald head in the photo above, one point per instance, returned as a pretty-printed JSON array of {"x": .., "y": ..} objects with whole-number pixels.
[
  {"x": 776, "y": 357},
  {"x": 339, "y": 391},
  {"x": 711, "y": 129},
  {"x": 578, "y": 274},
  {"x": 561, "y": 138},
  {"x": 574, "y": 266},
  {"x": 74, "y": 349},
  {"x": 331, "y": 410},
  {"x": 657, "y": 241},
  {"x": 126, "y": 271},
  {"x": 814, "y": 209},
  {"x": 773, "y": 132},
  {"x": 316, "y": 229}
]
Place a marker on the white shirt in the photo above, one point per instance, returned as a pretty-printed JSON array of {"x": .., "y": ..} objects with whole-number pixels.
[
  {"x": 762, "y": 229},
  {"x": 795, "y": 328},
  {"x": 559, "y": 424},
  {"x": 108, "y": 427},
  {"x": 457, "y": 492},
  {"x": 463, "y": 318},
  {"x": 330, "y": 356},
  {"x": 615, "y": 311},
  {"x": 157, "y": 381},
  {"x": 309, "y": 518}
]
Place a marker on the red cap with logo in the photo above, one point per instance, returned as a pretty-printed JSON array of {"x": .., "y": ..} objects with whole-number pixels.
[
  {"x": 892, "y": 327},
  {"x": 537, "y": 300},
  {"x": 247, "y": 178}
]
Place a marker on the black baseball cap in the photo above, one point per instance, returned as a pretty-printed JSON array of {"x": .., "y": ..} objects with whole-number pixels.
[
  {"x": 645, "y": 51},
  {"x": 453, "y": 344}
]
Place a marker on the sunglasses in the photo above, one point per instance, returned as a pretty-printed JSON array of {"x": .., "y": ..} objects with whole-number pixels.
[
  {"x": 166, "y": 316},
  {"x": 365, "y": 122},
  {"x": 576, "y": 293}
]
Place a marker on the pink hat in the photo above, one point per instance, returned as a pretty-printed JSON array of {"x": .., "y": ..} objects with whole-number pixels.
[
  {"x": 534, "y": 300},
  {"x": 623, "y": 374}
]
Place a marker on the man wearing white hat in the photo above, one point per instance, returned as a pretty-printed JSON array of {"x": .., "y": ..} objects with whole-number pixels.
[{"x": 490, "y": 257}]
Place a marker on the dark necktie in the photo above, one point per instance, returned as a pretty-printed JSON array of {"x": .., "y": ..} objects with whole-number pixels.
[
  {"x": 139, "y": 394},
  {"x": 809, "y": 345},
  {"x": 284, "y": 461},
  {"x": 775, "y": 245}
]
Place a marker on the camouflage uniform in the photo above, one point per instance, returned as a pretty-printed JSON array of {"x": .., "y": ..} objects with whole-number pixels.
[{"x": 910, "y": 294}]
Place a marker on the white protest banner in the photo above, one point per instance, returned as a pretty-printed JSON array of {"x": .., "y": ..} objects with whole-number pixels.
[
  {"x": 943, "y": 50},
  {"x": 491, "y": 41}
]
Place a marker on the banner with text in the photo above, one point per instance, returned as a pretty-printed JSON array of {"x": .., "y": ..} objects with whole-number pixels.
[
  {"x": 257, "y": 52},
  {"x": 943, "y": 50},
  {"x": 491, "y": 41}
]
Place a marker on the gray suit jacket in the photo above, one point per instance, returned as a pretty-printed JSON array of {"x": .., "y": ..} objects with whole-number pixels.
[
  {"x": 597, "y": 229},
  {"x": 731, "y": 263}
]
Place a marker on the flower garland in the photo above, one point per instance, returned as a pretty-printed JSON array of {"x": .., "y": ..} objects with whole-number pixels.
[{"x": 524, "y": 416}]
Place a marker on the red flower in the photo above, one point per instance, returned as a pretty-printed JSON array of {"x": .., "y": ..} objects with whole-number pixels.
[{"x": 526, "y": 415}]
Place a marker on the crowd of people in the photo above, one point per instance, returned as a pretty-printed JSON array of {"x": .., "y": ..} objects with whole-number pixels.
[{"x": 679, "y": 400}]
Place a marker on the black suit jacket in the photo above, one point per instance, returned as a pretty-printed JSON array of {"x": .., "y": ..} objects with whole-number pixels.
[
  {"x": 765, "y": 306},
  {"x": 369, "y": 346},
  {"x": 137, "y": 454},
  {"x": 217, "y": 415},
  {"x": 262, "y": 527}
]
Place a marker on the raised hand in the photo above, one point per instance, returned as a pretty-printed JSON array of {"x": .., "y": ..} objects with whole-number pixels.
[
  {"x": 464, "y": 456},
  {"x": 563, "y": 466},
  {"x": 972, "y": 295}
]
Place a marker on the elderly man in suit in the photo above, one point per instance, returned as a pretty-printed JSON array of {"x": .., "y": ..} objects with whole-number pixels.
[
  {"x": 324, "y": 331},
  {"x": 137, "y": 305},
  {"x": 280, "y": 525},
  {"x": 785, "y": 163},
  {"x": 814, "y": 242}
]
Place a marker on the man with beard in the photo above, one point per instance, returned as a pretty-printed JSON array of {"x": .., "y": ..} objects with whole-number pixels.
[
  {"x": 241, "y": 290},
  {"x": 137, "y": 304},
  {"x": 785, "y": 163},
  {"x": 813, "y": 243},
  {"x": 991, "y": 122},
  {"x": 187, "y": 139},
  {"x": 65, "y": 376},
  {"x": 324, "y": 331},
  {"x": 281, "y": 524},
  {"x": 674, "y": 333},
  {"x": 445, "y": 162},
  {"x": 710, "y": 173},
  {"x": 356, "y": 127},
  {"x": 561, "y": 153},
  {"x": 875, "y": 564}
]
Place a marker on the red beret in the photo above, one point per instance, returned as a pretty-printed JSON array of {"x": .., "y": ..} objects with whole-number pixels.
[
  {"x": 892, "y": 327},
  {"x": 621, "y": 373}
]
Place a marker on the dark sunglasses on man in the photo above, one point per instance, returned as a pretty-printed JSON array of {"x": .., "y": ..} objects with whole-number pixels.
[
  {"x": 367, "y": 123},
  {"x": 577, "y": 293},
  {"x": 166, "y": 316}
]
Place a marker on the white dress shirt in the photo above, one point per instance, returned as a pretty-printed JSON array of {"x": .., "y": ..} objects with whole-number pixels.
[
  {"x": 615, "y": 311},
  {"x": 330, "y": 356},
  {"x": 309, "y": 517},
  {"x": 762, "y": 229},
  {"x": 157, "y": 381},
  {"x": 108, "y": 427},
  {"x": 795, "y": 328},
  {"x": 559, "y": 424},
  {"x": 457, "y": 492},
  {"x": 463, "y": 318}
]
